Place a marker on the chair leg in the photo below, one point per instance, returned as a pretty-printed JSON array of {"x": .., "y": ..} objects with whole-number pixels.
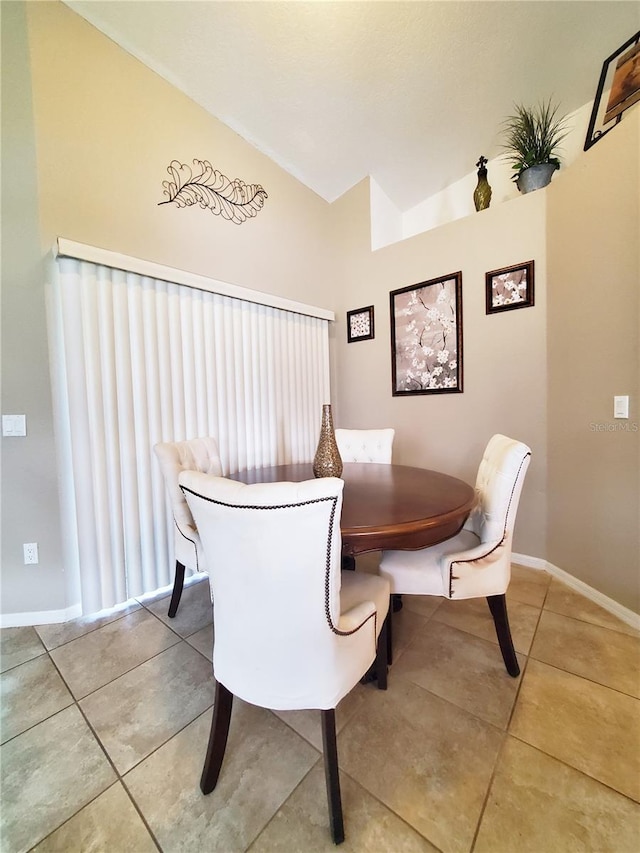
[
  {"x": 382, "y": 652},
  {"x": 390, "y": 633},
  {"x": 177, "y": 590},
  {"x": 217, "y": 738},
  {"x": 348, "y": 563},
  {"x": 498, "y": 607},
  {"x": 330, "y": 749}
]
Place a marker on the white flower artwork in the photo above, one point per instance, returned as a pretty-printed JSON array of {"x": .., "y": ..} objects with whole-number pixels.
[
  {"x": 510, "y": 287},
  {"x": 426, "y": 337}
]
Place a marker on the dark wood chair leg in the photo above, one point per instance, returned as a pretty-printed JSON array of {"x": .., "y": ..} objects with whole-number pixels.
[
  {"x": 177, "y": 590},
  {"x": 330, "y": 750},
  {"x": 382, "y": 651},
  {"x": 498, "y": 607},
  {"x": 217, "y": 738},
  {"x": 348, "y": 563},
  {"x": 390, "y": 634}
]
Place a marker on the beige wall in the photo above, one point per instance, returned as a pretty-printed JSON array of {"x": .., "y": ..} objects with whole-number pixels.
[
  {"x": 504, "y": 354},
  {"x": 88, "y": 133},
  {"x": 103, "y": 129},
  {"x": 594, "y": 279},
  {"x": 29, "y": 477}
]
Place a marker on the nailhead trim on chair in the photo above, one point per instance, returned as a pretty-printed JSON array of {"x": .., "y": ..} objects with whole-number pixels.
[
  {"x": 184, "y": 536},
  {"x": 327, "y": 573},
  {"x": 504, "y": 532}
]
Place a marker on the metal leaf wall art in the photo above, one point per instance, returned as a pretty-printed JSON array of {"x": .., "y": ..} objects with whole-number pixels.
[{"x": 233, "y": 200}]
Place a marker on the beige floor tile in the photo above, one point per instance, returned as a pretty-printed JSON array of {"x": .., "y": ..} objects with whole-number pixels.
[
  {"x": 528, "y": 586},
  {"x": 600, "y": 654},
  {"x": 109, "y": 823},
  {"x": 588, "y": 726},
  {"x": 97, "y": 658},
  {"x": 194, "y": 613},
  {"x": 202, "y": 640},
  {"x": 473, "y": 615},
  {"x": 302, "y": 824},
  {"x": 424, "y": 605},
  {"x": 308, "y": 723},
  {"x": 406, "y": 625},
  {"x": 547, "y": 806},
  {"x": 30, "y": 693},
  {"x": 57, "y": 635},
  {"x": 264, "y": 762},
  {"x": 562, "y": 599},
  {"x": 461, "y": 668},
  {"x": 425, "y": 759},
  {"x": 48, "y": 774},
  {"x": 18, "y": 645},
  {"x": 141, "y": 710}
]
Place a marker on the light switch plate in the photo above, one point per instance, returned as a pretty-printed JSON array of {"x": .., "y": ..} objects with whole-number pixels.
[
  {"x": 14, "y": 425},
  {"x": 621, "y": 406}
]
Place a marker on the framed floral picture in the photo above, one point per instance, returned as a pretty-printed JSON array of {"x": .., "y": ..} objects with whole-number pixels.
[
  {"x": 509, "y": 288},
  {"x": 426, "y": 337},
  {"x": 360, "y": 324}
]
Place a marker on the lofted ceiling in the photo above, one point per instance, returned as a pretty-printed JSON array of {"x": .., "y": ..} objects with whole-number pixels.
[{"x": 410, "y": 93}]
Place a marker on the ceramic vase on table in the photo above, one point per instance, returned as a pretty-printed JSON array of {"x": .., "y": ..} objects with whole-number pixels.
[{"x": 327, "y": 461}]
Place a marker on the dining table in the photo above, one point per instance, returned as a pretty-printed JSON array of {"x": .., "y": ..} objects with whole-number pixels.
[{"x": 386, "y": 506}]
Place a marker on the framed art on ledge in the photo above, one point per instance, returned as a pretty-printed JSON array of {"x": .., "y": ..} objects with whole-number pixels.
[
  {"x": 509, "y": 288},
  {"x": 426, "y": 337},
  {"x": 360, "y": 324},
  {"x": 618, "y": 89}
]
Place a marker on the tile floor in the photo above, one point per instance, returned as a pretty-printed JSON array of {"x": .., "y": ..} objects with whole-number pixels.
[{"x": 105, "y": 722}]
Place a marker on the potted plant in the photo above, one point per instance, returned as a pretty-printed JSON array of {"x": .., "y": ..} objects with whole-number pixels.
[{"x": 532, "y": 136}]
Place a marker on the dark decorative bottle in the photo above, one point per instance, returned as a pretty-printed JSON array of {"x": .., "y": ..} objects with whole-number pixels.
[
  {"x": 482, "y": 193},
  {"x": 327, "y": 461}
]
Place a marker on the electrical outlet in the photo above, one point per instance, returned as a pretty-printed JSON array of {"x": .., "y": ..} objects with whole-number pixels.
[{"x": 30, "y": 553}]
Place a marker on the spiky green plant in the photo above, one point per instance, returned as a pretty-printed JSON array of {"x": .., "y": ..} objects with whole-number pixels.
[{"x": 532, "y": 136}]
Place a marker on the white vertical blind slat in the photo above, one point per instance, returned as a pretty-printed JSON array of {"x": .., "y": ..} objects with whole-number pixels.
[{"x": 141, "y": 360}]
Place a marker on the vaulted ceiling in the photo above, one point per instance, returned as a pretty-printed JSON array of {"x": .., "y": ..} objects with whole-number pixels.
[{"x": 410, "y": 93}]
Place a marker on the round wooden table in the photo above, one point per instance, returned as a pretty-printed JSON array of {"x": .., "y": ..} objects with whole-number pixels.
[{"x": 387, "y": 506}]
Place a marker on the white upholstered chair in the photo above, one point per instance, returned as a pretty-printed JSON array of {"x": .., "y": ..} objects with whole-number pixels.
[
  {"x": 291, "y": 630},
  {"x": 196, "y": 454},
  {"x": 365, "y": 445},
  {"x": 477, "y": 562}
]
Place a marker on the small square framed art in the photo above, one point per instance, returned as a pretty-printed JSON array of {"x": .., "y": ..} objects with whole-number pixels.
[
  {"x": 510, "y": 287},
  {"x": 360, "y": 324}
]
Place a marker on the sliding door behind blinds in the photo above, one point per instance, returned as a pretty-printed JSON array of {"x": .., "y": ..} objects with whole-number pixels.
[{"x": 138, "y": 360}]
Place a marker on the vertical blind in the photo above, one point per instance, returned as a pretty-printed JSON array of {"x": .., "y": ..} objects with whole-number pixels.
[{"x": 138, "y": 360}]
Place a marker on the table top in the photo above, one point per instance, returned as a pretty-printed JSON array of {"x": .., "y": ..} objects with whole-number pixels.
[{"x": 387, "y": 506}]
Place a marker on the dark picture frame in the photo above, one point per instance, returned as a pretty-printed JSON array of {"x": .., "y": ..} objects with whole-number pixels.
[
  {"x": 618, "y": 89},
  {"x": 510, "y": 287},
  {"x": 426, "y": 337},
  {"x": 360, "y": 325}
]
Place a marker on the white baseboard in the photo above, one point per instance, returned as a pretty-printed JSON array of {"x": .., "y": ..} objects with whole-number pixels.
[
  {"x": 42, "y": 617},
  {"x": 623, "y": 613},
  {"x": 529, "y": 562},
  {"x": 52, "y": 617}
]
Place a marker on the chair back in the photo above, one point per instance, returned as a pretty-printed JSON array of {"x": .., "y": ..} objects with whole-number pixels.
[
  {"x": 498, "y": 488},
  {"x": 365, "y": 445},
  {"x": 273, "y": 552},
  {"x": 196, "y": 454}
]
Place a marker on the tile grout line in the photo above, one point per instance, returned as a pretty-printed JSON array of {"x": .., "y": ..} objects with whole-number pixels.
[{"x": 506, "y": 729}]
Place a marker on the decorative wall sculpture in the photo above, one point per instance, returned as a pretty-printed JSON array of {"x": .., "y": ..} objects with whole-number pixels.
[{"x": 233, "y": 200}]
